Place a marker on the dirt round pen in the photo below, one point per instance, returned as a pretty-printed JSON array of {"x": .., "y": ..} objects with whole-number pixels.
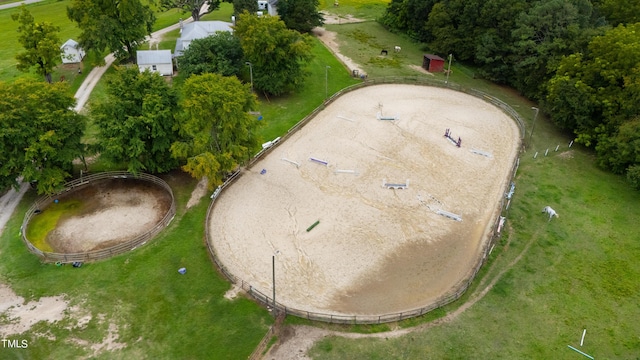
[
  {"x": 395, "y": 217},
  {"x": 98, "y": 216}
]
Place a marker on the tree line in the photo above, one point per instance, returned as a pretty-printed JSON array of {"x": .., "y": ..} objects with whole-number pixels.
[
  {"x": 579, "y": 59},
  {"x": 202, "y": 123}
]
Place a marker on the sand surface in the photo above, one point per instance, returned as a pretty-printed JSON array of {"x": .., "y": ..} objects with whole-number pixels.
[
  {"x": 113, "y": 212},
  {"x": 375, "y": 250}
]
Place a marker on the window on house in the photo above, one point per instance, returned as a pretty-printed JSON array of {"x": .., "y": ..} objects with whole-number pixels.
[{"x": 154, "y": 68}]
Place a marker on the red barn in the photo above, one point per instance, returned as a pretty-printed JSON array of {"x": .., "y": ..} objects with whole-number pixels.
[{"x": 433, "y": 63}]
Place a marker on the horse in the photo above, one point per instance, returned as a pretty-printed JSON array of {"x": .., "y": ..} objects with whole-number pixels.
[
  {"x": 550, "y": 211},
  {"x": 397, "y": 48}
]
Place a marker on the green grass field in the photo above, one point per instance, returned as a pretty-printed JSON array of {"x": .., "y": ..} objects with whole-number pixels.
[
  {"x": 42, "y": 224},
  {"x": 159, "y": 313},
  {"x": 552, "y": 279}
]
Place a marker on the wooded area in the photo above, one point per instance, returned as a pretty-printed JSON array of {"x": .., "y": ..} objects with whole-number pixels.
[{"x": 578, "y": 58}]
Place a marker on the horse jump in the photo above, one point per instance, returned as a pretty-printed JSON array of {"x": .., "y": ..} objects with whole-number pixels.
[
  {"x": 380, "y": 117},
  {"x": 447, "y": 134},
  {"x": 319, "y": 161},
  {"x": 550, "y": 211},
  {"x": 449, "y": 215},
  {"x": 395, "y": 186}
]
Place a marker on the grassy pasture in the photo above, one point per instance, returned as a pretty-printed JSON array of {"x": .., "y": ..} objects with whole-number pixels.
[
  {"x": 576, "y": 272},
  {"x": 159, "y": 313}
]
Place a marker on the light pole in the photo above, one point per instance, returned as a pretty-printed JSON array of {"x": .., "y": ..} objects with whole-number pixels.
[
  {"x": 273, "y": 271},
  {"x": 534, "y": 123},
  {"x": 448, "y": 70},
  {"x": 326, "y": 81},
  {"x": 250, "y": 73}
]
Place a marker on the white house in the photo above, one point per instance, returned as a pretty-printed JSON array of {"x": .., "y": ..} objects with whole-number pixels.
[
  {"x": 199, "y": 30},
  {"x": 268, "y": 7},
  {"x": 271, "y": 7},
  {"x": 71, "y": 52},
  {"x": 159, "y": 61}
]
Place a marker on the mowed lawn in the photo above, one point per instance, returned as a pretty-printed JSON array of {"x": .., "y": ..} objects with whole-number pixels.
[
  {"x": 577, "y": 272},
  {"x": 157, "y": 312}
]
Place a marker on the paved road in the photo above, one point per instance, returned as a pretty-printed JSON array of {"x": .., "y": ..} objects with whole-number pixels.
[
  {"x": 8, "y": 203},
  {"x": 16, "y": 4}
]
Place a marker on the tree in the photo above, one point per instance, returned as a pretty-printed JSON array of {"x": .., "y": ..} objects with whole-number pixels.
[
  {"x": 217, "y": 133},
  {"x": 633, "y": 176},
  {"x": 41, "y": 43},
  {"x": 454, "y": 27},
  {"x": 40, "y": 134},
  {"x": 409, "y": 16},
  {"x": 543, "y": 34},
  {"x": 191, "y": 6},
  {"x": 622, "y": 150},
  {"x": 240, "y": 6},
  {"x": 620, "y": 11},
  {"x": 300, "y": 15},
  {"x": 278, "y": 55},
  {"x": 119, "y": 26},
  {"x": 441, "y": 27},
  {"x": 220, "y": 53},
  {"x": 593, "y": 93},
  {"x": 494, "y": 48},
  {"x": 136, "y": 121}
]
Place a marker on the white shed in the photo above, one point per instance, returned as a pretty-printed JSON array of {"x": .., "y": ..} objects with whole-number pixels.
[
  {"x": 159, "y": 61},
  {"x": 71, "y": 52}
]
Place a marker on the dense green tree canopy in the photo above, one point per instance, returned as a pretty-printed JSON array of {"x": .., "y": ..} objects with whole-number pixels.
[
  {"x": 41, "y": 44},
  {"x": 220, "y": 53},
  {"x": 278, "y": 55},
  {"x": 620, "y": 11},
  {"x": 409, "y": 16},
  {"x": 300, "y": 15},
  {"x": 136, "y": 121},
  {"x": 192, "y": 7},
  {"x": 605, "y": 82},
  {"x": 216, "y": 131},
  {"x": 119, "y": 26},
  {"x": 240, "y": 6},
  {"x": 543, "y": 34},
  {"x": 39, "y": 134},
  {"x": 597, "y": 95}
]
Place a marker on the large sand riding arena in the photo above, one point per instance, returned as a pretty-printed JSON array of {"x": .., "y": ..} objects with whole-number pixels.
[
  {"x": 107, "y": 213},
  {"x": 375, "y": 250}
]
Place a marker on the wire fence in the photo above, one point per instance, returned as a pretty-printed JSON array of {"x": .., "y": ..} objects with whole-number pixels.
[
  {"x": 94, "y": 255},
  {"x": 457, "y": 290}
]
